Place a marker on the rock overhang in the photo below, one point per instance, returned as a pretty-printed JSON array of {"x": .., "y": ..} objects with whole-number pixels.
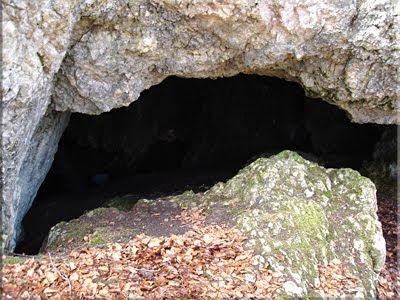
[{"x": 130, "y": 47}]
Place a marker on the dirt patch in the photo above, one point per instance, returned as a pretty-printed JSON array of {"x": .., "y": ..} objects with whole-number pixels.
[
  {"x": 103, "y": 225},
  {"x": 219, "y": 216}
]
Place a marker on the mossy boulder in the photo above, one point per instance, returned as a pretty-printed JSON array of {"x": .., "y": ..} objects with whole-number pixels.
[
  {"x": 91, "y": 229},
  {"x": 298, "y": 214},
  {"x": 65, "y": 233}
]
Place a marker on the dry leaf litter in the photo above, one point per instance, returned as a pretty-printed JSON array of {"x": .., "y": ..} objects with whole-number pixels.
[{"x": 210, "y": 261}]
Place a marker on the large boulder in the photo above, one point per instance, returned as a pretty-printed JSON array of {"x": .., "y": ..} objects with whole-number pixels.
[
  {"x": 94, "y": 55},
  {"x": 297, "y": 216},
  {"x": 311, "y": 215}
]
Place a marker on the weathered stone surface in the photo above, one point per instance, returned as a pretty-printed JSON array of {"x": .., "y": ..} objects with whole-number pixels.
[
  {"x": 289, "y": 208},
  {"x": 65, "y": 233},
  {"x": 294, "y": 208},
  {"x": 94, "y": 55},
  {"x": 19, "y": 192}
]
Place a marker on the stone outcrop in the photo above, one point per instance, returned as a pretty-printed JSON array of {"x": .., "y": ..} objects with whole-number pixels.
[
  {"x": 295, "y": 214},
  {"x": 289, "y": 206},
  {"x": 94, "y": 55}
]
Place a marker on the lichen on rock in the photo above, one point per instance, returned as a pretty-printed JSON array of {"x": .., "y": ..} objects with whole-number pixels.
[{"x": 294, "y": 209}]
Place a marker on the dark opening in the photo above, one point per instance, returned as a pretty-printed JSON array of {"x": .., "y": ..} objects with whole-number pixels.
[{"x": 188, "y": 134}]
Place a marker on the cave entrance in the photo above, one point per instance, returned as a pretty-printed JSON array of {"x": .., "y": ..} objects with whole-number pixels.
[{"x": 188, "y": 134}]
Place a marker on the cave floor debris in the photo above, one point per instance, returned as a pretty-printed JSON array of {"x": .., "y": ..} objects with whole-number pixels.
[
  {"x": 192, "y": 256},
  {"x": 204, "y": 260}
]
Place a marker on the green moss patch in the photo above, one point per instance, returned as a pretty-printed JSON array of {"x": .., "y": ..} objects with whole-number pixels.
[
  {"x": 66, "y": 233},
  {"x": 13, "y": 259}
]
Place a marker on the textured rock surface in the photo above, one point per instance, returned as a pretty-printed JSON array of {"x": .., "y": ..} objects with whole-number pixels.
[
  {"x": 65, "y": 232},
  {"x": 289, "y": 208},
  {"x": 294, "y": 208},
  {"x": 94, "y": 55}
]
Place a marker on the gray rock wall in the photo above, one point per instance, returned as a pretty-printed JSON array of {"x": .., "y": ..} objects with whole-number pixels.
[{"x": 94, "y": 55}]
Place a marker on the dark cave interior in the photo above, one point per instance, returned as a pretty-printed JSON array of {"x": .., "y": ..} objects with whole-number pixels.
[{"x": 188, "y": 134}]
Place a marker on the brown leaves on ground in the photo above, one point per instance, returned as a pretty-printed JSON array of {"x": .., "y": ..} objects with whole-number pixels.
[
  {"x": 389, "y": 283},
  {"x": 389, "y": 279},
  {"x": 209, "y": 261},
  {"x": 336, "y": 280}
]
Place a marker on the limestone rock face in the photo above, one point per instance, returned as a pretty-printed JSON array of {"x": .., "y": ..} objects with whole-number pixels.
[
  {"x": 293, "y": 208},
  {"x": 94, "y": 55}
]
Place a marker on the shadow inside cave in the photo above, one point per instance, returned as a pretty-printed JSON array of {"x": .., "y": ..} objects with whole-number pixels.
[{"x": 188, "y": 134}]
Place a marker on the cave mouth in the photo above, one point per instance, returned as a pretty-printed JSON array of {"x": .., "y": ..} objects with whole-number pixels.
[{"x": 188, "y": 134}]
